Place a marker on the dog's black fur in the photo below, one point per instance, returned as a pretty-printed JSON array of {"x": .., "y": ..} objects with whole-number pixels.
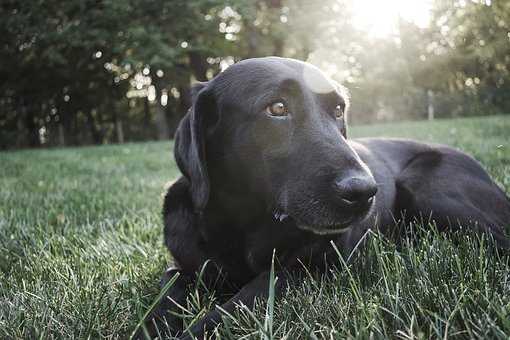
[{"x": 253, "y": 182}]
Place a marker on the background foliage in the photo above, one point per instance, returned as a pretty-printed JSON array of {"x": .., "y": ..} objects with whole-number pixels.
[{"x": 101, "y": 71}]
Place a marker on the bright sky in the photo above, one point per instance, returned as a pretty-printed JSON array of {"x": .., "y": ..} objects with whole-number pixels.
[{"x": 379, "y": 17}]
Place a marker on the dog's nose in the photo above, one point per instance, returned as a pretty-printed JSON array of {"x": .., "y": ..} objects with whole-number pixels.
[{"x": 355, "y": 191}]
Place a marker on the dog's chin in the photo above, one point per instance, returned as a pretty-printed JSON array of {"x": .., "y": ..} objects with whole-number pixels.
[
  {"x": 325, "y": 224},
  {"x": 326, "y": 230},
  {"x": 337, "y": 226},
  {"x": 319, "y": 229}
]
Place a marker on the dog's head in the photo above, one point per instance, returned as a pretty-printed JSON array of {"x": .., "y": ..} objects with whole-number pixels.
[{"x": 273, "y": 131}]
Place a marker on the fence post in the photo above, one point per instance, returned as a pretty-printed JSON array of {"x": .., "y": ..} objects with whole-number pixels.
[{"x": 430, "y": 105}]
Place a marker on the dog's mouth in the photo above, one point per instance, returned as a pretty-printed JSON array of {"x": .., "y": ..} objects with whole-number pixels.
[
  {"x": 328, "y": 226},
  {"x": 326, "y": 229},
  {"x": 322, "y": 229}
]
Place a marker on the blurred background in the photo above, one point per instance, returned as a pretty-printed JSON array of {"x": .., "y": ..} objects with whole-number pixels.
[{"x": 80, "y": 72}]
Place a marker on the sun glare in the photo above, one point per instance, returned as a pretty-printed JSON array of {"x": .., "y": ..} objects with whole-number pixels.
[{"x": 380, "y": 17}]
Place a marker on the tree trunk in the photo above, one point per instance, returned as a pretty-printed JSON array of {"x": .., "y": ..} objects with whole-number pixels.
[
  {"x": 33, "y": 138},
  {"x": 120, "y": 131},
  {"x": 117, "y": 122},
  {"x": 147, "y": 119},
  {"x": 94, "y": 131},
  {"x": 430, "y": 105},
  {"x": 185, "y": 99},
  {"x": 21, "y": 130},
  {"x": 68, "y": 122},
  {"x": 61, "y": 135},
  {"x": 181, "y": 106},
  {"x": 278, "y": 47},
  {"x": 160, "y": 116},
  {"x": 198, "y": 65},
  {"x": 161, "y": 122}
]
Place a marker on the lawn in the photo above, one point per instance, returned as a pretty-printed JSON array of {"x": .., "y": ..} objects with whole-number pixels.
[{"x": 81, "y": 253}]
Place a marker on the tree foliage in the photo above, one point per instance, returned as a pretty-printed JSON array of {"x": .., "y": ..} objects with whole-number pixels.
[{"x": 99, "y": 71}]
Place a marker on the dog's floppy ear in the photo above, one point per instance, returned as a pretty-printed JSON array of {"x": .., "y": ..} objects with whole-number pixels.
[{"x": 189, "y": 147}]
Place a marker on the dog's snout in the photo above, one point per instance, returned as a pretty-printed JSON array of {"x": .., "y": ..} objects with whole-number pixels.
[{"x": 355, "y": 191}]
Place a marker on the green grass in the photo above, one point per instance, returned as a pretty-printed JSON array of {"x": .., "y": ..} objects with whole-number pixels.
[{"x": 81, "y": 253}]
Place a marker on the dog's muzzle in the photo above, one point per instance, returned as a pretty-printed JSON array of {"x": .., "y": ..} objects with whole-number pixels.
[{"x": 325, "y": 230}]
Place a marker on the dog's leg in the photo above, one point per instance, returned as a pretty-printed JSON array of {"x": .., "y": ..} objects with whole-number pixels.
[
  {"x": 163, "y": 319},
  {"x": 315, "y": 257},
  {"x": 257, "y": 288}
]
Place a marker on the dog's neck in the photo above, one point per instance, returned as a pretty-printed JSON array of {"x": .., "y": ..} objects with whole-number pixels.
[{"x": 241, "y": 209}]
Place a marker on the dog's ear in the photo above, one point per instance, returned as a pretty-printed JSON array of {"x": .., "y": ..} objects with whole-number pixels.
[{"x": 189, "y": 147}]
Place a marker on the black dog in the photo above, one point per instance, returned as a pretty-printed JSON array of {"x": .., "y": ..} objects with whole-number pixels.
[{"x": 267, "y": 165}]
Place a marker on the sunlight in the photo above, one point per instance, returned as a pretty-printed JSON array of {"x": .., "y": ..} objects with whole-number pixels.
[
  {"x": 380, "y": 18},
  {"x": 315, "y": 80}
]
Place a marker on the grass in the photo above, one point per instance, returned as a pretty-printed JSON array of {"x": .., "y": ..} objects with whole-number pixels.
[{"x": 81, "y": 253}]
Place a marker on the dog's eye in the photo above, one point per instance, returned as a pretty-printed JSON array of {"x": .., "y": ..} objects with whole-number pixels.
[
  {"x": 339, "y": 112},
  {"x": 278, "y": 109}
]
